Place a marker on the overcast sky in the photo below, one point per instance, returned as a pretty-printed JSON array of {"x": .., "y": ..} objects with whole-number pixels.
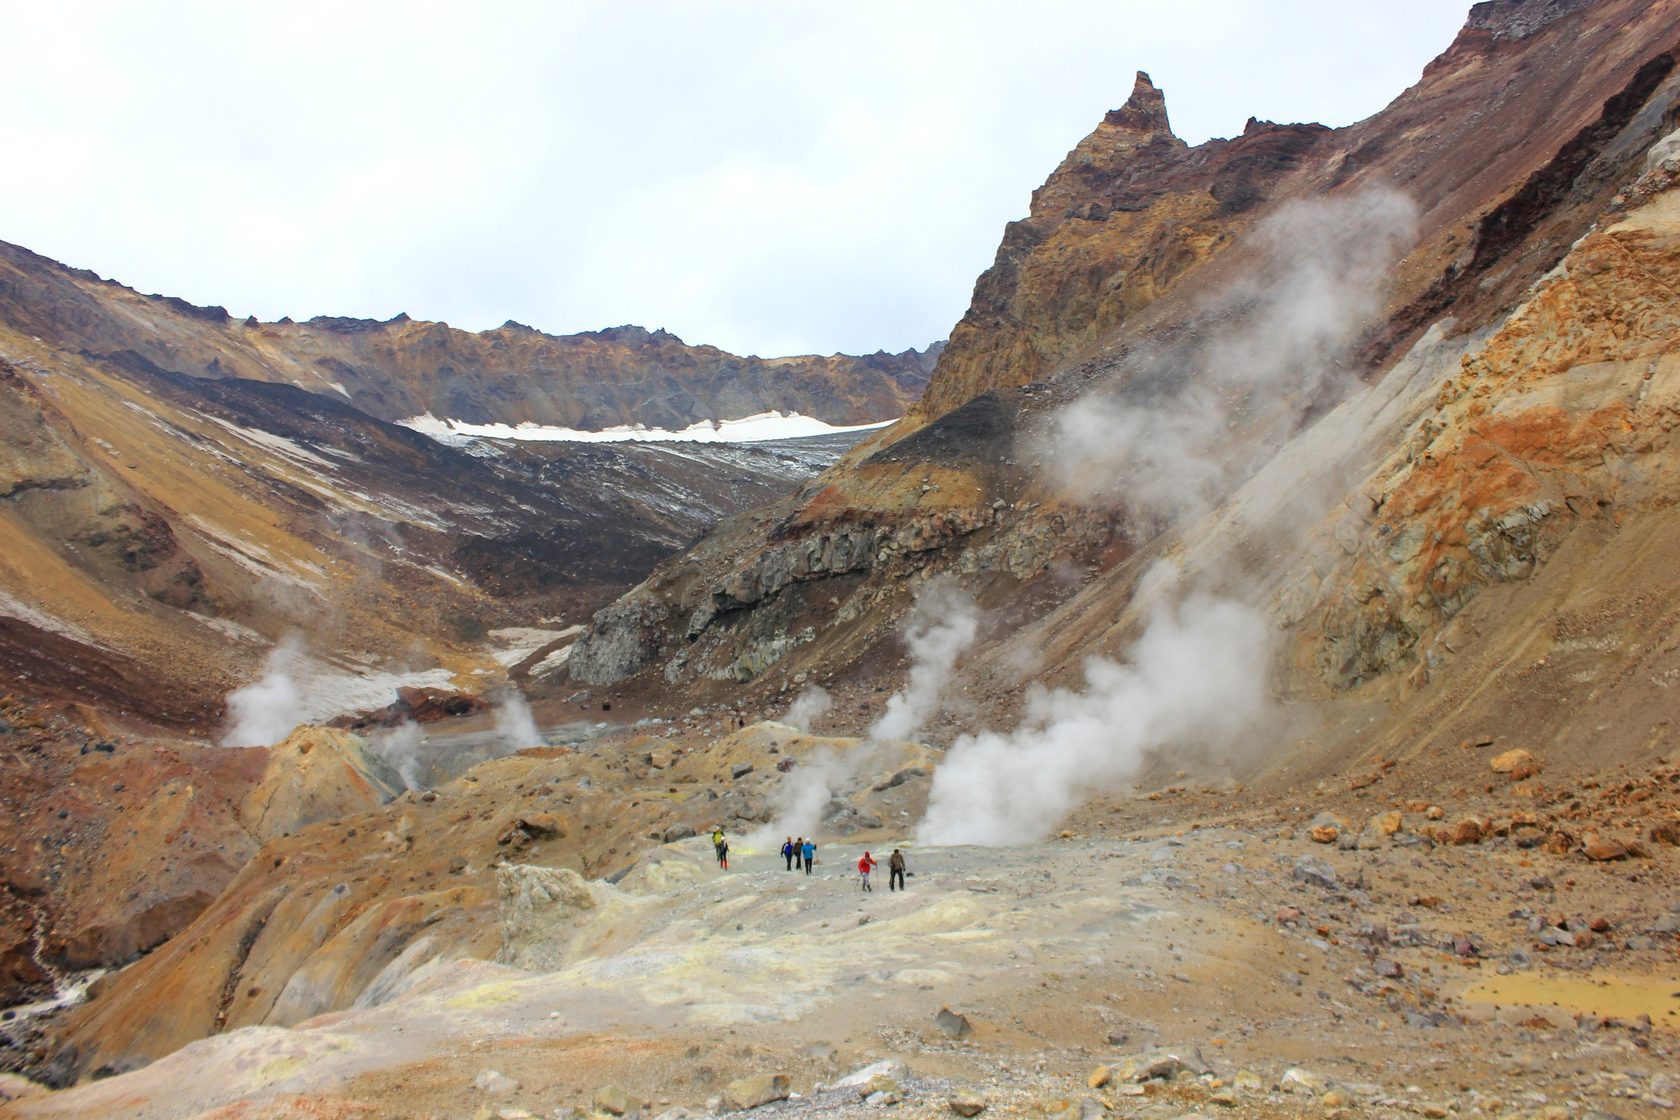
[{"x": 770, "y": 177}]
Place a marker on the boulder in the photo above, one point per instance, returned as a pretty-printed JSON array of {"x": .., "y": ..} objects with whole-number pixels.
[
  {"x": 1297, "y": 1080},
  {"x": 890, "y": 1068},
  {"x": 1155, "y": 1065},
  {"x": 1518, "y": 763},
  {"x": 614, "y": 1101},
  {"x": 1316, "y": 872},
  {"x": 1603, "y": 850},
  {"x": 952, "y": 1025},
  {"x": 751, "y": 1092},
  {"x": 538, "y": 906},
  {"x": 1467, "y": 831}
]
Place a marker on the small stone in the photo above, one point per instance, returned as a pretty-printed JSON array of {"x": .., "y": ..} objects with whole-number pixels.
[
  {"x": 1468, "y": 831},
  {"x": 1388, "y": 969},
  {"x": 1100, "y": 1076},
  {"x": 964, "y": 1104},
  {"x": 740, "y": 770},
  {"x": 1248, "y": 1081},
  {"x": 1325, "y": 834}
]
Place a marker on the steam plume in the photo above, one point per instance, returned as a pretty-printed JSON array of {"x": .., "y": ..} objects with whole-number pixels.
[
  {"x": 810, "y": 705},
  {"x": 264, "y": 712},
  {"x": 800, "y": 802},
  {"x": 1194, "y": 418},
  {"x": 513, "y": 721},
  {"x": 1189, "y": 422},
  {"x": 399, "y": 747},
  {"x": 941, "y": 626},
  {"x": 1198, "y": 674}
]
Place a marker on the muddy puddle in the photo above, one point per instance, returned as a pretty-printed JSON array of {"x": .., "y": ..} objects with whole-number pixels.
[{"x": 1610, "y": 997}]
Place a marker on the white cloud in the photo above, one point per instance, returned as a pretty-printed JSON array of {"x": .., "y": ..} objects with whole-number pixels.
[{"x": 767, "y": 177}]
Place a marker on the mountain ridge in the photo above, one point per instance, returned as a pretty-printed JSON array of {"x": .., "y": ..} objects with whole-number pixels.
[{"x": 402, "y": 367}]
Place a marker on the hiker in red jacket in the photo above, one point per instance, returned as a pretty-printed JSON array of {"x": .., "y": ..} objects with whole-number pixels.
[{"x": 864, "y": 866}]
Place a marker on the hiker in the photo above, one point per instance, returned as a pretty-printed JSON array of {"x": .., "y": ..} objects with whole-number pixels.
[
  {"x": 717, "y": 842},
  {"x": 789, "y": 850},
  {"x": 864, "y": 866},
  {"x": 723, "y": 854},
  {"x": 809, "y": 851},
  {"x": 895, "y": 871}
]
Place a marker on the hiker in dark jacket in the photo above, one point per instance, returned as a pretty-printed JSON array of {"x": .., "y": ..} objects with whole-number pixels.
[
  {"x": 787, "y": 853},
  {"x": 895, "y": 869}
]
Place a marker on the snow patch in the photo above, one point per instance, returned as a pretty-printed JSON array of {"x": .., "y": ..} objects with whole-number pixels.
[
  {"x": 280, "y": 445},
  {"x": 13, "y": 607},
  {"x": 296, "y": 688},
  {"x": 757, "y": 428},
  {"x": 515, "y": 643}
]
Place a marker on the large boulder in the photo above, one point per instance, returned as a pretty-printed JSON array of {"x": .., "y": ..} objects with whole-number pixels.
[{"x": 540, "y": 908}]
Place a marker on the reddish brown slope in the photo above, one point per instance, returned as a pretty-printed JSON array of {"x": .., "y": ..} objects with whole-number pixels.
[{"x": 402, "y": 367}]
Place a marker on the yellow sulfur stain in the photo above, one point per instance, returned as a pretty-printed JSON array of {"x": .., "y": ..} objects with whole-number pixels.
[
  {"x": 490, "y": 995},
  {"x": 1614, "y": 997}
]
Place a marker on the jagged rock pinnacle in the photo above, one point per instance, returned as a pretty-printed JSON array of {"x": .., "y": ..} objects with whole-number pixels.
[{"x": 1144, "y": 111}]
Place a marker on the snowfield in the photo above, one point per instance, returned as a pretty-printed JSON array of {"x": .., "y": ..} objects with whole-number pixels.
[{"x": 758, "y": 428}]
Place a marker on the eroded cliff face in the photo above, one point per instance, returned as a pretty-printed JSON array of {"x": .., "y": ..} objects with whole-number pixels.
[
  {"x": 1526, "y": 135},
  {"x": 400, "y": 368}
]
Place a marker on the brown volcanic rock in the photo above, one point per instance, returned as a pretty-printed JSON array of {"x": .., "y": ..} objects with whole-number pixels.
[
  {"x": 402, "y": 367},
  {"x": 1132, "y": 212},
  {"x": 316, "y": 774},
  {"x": 112, "y": 844},
  {"x": 416, "y": 705}
]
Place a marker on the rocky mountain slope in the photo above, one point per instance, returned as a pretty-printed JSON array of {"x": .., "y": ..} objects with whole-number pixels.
[
  {"x": 1234, "y": 357},
  {"x": 401, "y": 368},
  {"x": 166, "y": 528}
]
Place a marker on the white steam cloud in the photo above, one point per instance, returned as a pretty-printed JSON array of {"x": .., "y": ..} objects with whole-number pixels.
[
  {"x": 810, "y": 705},
  {"x": 265, "y": 711},
  {"x": 1190, "y": 421},
  {"x": 1197, "y": 675},
  {"x": 800, "y": 802},
  {"x": 941, "y": 626},
  {"x": 399, "y": 748},
  {"x": 1195, "y": 417},
  {"x": 514, "y": 723}
]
